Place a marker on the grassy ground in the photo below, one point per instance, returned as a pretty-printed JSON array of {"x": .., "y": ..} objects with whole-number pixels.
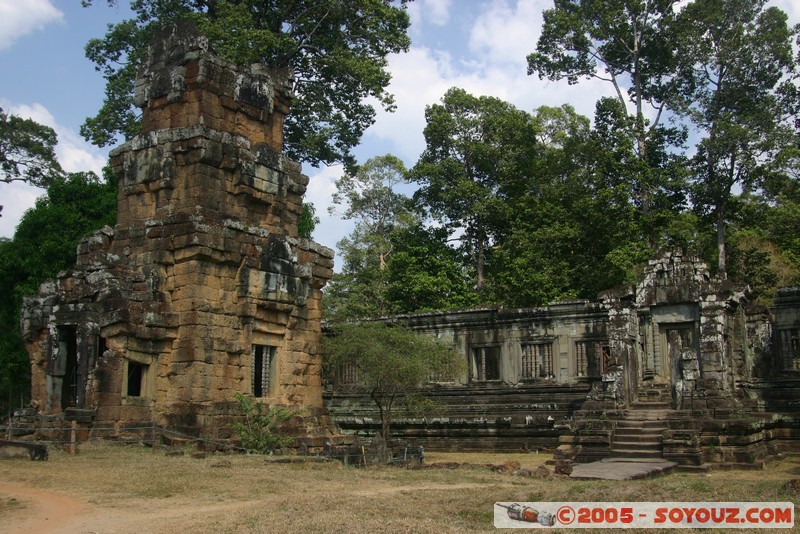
[{"x": 134, "y": 488}]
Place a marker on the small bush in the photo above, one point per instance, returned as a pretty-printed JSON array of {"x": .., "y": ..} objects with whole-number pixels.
[{"x": 261, "y": 429}]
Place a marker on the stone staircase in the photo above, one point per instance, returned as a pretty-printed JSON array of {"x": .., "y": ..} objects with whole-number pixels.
[{"x": 640, "y": 433}]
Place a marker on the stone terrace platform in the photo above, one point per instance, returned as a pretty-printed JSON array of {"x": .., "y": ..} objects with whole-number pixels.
[{"x": 622, "y": 468}]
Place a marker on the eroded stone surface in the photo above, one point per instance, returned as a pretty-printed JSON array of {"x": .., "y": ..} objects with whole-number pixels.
[
  {"x": 677, "y": 367},
  {"x": 204, "y": 282}
]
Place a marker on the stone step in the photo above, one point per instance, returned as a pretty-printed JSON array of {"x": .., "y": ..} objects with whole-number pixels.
[
  {"x": 651, "y": 424},
  {"x": 622, "y": 468},
  {"x": 639, "y": 438},
  {"x": 643, "y": 445},
  {"x": 635, "y": 453},
  {"x": 652, "y": 405},
  {"x": 641, "y": 424},
  {"x": 658, "y": 412}
]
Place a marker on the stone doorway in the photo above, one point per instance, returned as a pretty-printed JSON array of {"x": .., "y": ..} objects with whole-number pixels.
[
  {"x": 65, "y": 366},
  {"x": 679, "y": 344}
]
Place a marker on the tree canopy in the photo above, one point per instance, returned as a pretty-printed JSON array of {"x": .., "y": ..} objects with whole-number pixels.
[
  {"x": 478, "y": 152},
  {"x": 736, "y": 79},
  {"x": 336, "y": 50},
  {"x": 626, "y": 44},
  {"x": 390, "y": 362},
  {"x": 27, "y": 151},
  {"x": 44, "y": 243}
]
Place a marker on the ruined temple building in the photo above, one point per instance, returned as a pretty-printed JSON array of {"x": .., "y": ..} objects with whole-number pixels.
[
  {"x": 204, "y": 289},
  {"x": 678, "y": 367}
]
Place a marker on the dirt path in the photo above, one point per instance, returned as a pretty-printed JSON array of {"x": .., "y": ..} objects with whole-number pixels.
[{"x": 44, "y": 511}]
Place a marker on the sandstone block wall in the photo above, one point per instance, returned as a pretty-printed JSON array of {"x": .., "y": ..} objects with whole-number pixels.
[{"x": 204, "y": 281}]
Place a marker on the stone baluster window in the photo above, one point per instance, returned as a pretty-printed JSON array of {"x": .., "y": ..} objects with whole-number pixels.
[
  {"x": 582, "y": 357},
  {"x": 537, "y": 360},
  {"x": 591, "y": 358},
  {"x": 790, "y": 349},
  {"x": 345, "y": 375},
  {"x": 263, "y": 369},
  {"x": 486, "y": 363}
]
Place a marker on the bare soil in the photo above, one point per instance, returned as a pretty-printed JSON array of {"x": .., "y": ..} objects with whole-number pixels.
[{"x": 126, "y": 489}]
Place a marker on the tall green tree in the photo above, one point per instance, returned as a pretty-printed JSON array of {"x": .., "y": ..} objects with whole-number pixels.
[
  {"x": 477, "y": 156},
  {"x": 391, "y": 362},
  {"x": 369, "y": 198},
  {"x": 336, "y": 50},
  {"x": 624, "y": 43},
  {"x": 737, "y": 79},
  {"x": 427, "y": 274},
  {"x": 574, "y": 230},
  {"x": 27, "y": 151},
  {"x": 45, "y": 243}
]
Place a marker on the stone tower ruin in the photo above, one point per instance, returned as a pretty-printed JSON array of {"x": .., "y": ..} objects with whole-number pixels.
[{"x": 203, "y": 288}]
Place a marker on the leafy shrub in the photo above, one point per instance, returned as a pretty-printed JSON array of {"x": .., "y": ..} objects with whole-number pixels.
[{"x": 260, "y": 431}]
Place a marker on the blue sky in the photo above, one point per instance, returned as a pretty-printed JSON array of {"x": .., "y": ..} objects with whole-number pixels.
[{"x": 479, "y": 45}]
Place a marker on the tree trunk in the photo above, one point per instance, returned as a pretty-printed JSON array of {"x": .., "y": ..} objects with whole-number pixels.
[
  {"x": 480, "y": 262},
  {"x": 721, "y": 245},
  {"x": 385, "y": 413}
]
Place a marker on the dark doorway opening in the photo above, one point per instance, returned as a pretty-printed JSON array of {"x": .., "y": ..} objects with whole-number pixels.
[{"x": 68, "y": 353}]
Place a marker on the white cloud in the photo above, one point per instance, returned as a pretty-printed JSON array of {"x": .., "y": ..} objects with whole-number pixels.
[
  {"x": 436, "y": 12},
  {"x": 73, "y": 152},
  {"x": 422, "y": 76},
  {"x": 16, "y": 198},
  {"x": 19, "y": 18},
  {"x": 321, "y": 187},
  {"x": 503, "y": 33},
  {"x": 36, "y": 112}
]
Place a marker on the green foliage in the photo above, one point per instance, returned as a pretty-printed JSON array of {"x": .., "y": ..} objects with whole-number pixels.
[
  {"x": 378, "y": 210},
  {"x": 360, "y": 290},
  {"x": 736, "y": 79},
  {"x": 426, "y": 274},
  {"x": 27, "y": 151},
  {"x": 44, "y": 244},
  {"x": 760, "y": 264},
  {"x": 260, "y": 431},
  {"x": 336, "y": 50},
  {"x": 308, "y": 221},
  {"x": 477, "y": 157},
  {"x": 369, "y": 198},
  {"x": 418, "y": 405},
  {"x": 389, "y": 361}
]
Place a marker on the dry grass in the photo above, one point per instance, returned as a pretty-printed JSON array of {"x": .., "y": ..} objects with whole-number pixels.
[
  {"x": 129, "y": 487},
  {"x": 10, "y": 506}
]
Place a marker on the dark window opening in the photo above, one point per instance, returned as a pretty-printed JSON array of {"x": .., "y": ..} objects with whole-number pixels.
[
  {"x": 486, "y": 363},
  {"x": 136, "y": 377}
]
